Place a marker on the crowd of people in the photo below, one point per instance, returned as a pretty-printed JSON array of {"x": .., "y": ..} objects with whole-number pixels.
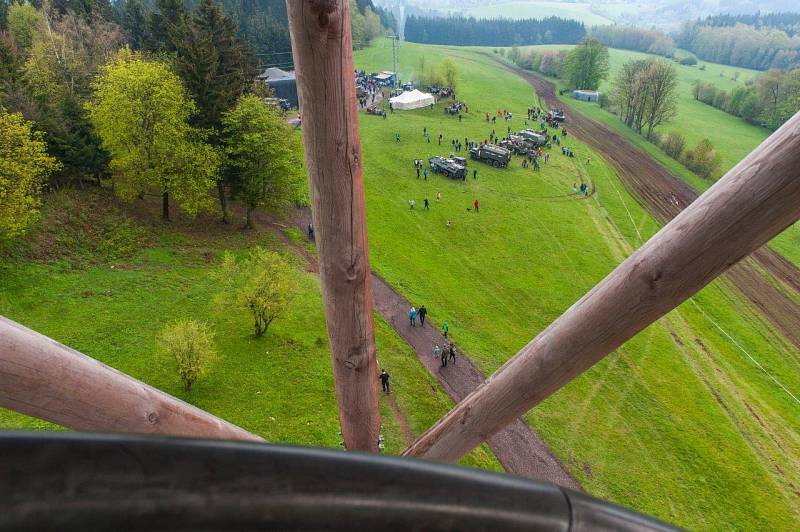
[{"x": 444, "y": 350}]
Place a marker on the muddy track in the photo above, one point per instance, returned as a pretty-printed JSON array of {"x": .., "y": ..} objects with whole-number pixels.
[
  {"x": 519, "y": 449},
  {"x": 664, "y": 195}
]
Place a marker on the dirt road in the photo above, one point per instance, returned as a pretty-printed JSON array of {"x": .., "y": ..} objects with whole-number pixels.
[
  {"x": 664, "y": 195},
  {"x": 517, "y": 447}
]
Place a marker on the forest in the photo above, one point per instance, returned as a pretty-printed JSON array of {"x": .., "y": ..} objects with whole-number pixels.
[
  {"x": 741, "y": 45},
  {"x": 649, "y": 41},
  {"x": 788, "y": 23},
  {"x": 769, "y": 100},
  {"x": 159, "y": 101},
  {"x": 469, "y": 31}
]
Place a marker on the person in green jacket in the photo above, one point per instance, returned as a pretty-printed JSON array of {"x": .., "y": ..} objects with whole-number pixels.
[{"x": 445, "y": 329}]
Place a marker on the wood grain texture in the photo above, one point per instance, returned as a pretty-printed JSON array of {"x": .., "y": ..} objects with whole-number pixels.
[
  {"x": 752, "y": 203},
  {"x": 323, "y": 58},
  {"x": 45, "y": 379}
]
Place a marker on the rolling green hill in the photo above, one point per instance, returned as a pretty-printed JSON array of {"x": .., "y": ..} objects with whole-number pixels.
[
  {"x": 733, "y": 137},
  {"x": 663, "y": 424},
  {"x": 104, "y": 280}
]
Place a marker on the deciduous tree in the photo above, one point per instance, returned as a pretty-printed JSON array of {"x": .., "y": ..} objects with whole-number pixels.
[
  {"x": 587, "y": 64},
  {"x": 141, "y": 111},
  {"x": 24, "y": 167},
  {"x": 190, "y": 345},
  {"x": 264, "y": 283},
  {"x": 264, "y": 157}
]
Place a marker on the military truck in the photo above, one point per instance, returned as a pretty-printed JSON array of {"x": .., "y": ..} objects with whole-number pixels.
[
  {"x": 497, "y": 156},
  {"x": 448, "y": 167},
  {"x": 517, "y": 144},
  {"x": 536, "y": 139}
]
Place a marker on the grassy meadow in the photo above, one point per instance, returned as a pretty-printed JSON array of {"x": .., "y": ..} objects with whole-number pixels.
[
  {"x": 105, "y": 283},
  {"x": 696, "y": 435},
  {"x": 733, "y": 137}
]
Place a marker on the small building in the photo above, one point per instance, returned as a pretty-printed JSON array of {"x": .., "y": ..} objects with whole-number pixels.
[
  {"x": 586, "y": 96},
  {"x": 282, "y": 83}
]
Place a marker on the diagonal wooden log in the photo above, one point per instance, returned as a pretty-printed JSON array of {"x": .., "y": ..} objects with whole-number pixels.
[
  {"x": 754, "y": 202},
  {"x": 323, "y": 58},
  {"x": 45, "y": 379}
]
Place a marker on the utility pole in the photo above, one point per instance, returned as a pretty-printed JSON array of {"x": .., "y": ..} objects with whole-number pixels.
[{"x": 394, "y": 59}]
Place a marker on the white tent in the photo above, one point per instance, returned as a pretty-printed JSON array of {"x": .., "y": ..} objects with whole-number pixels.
[{"x": 412, "y": 100}]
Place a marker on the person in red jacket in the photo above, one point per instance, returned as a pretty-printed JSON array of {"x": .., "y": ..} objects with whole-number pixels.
[{"x": 477, "y": 206}]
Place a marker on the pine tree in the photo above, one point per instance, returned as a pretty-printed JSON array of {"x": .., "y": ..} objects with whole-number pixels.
[{"x": 216, "y": 67}]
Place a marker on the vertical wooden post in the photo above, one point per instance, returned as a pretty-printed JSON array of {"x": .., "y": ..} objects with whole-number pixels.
[
  {"x": 754, "y": 202},
  {"x": 323, "y": 58},
  {"x": 43, "y": 378}
]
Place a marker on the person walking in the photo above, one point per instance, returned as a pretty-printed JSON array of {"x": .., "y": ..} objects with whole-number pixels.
[
  {"x": 384, "y": 376},
  {"x": 412, "y": 316},
  {"x": 417, "y": 172},
  {"x": 438, "y": 196},
  {"x": 443, "y": 356},
  {"x": 427, "y": 204},
  {"x": 477, "y": 206},
  {"x": 474, "y": 173},
  {"x": 397, "y": 137},
  {"x": 445, "y": 329},
  {"x": 422, "y": 312},
  {"x": 411, "y": 204},
  {"x": 437, "y": 352},
  {"x": 425, "y": 174},
  {"x": 452, "y": 353}
]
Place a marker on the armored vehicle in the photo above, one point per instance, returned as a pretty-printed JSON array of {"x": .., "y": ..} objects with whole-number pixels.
[
  {"x": 536, "y": 139},
  {"x": 448, "y": 167},
  {"x": 497, "y": 156}
]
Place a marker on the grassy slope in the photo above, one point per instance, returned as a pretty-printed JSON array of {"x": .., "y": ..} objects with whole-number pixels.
[
  {"x": 536, "y": 9},
  {"x": 733, "y": 137},
  {"x": 643, "y": 428},
  {"x": 279, "y": 386}
]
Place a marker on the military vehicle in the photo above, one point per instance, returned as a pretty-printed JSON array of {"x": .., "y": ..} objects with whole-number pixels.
[
  {"x": 448, "y": 167},
  {"x": 536, "y": 139},
  {"x": 497, "y": 156},
  {"x": 515, "y": 144}
]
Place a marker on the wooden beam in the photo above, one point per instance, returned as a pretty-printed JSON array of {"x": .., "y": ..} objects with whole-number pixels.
[
  {"x": 323, "y": 59},
  {"x": 754, "y": 202},
  {"x": 45, "y": 379}
]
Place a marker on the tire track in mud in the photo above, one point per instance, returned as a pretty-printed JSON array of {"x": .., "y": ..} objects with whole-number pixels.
[{"x": 665, "y": 195}]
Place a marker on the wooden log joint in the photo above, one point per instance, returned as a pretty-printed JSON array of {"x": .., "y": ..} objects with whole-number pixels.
[
  {"x": 45, "y": 379},
  {"x": 322, "y": 50}
]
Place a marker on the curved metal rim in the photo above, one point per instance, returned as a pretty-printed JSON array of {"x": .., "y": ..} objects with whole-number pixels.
[{"x": 72, "y": 480}]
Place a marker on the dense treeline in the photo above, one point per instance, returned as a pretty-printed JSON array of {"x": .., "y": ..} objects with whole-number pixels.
[
  {"x": 632, "y": 38},
  {"x": 468, "y": 31},
  {"x": 583, "y": 67},
  {"x": 741, "y": 45},
  {"x": 768, "y": 100},
  {"x": 170, "y": 109},
  {"x": 262, "y": 24},
  {"x": 786, "y": 22}
]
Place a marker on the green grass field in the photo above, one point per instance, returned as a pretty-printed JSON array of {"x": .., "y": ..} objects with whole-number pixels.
[
  {"x": 733, "y": 137},
  {"x": 117, "y": 282},
  {"x": 535, "y": 9},
  {"x": 663, "y": 424},
  {"x": 678, "y": 423}
]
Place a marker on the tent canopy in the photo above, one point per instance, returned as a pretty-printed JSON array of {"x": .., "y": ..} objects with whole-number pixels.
[{"x": 412, "y": 100}]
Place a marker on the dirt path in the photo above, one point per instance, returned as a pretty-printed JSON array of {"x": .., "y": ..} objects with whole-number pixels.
[
  {"x": 518, "y": 449},
  {"x": 664, "y": 195}
]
